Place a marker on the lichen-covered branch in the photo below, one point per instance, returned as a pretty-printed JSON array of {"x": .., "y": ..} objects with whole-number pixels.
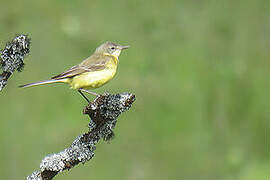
[
  {"x": 12, "y": 56},
  {"x": 103, "y": 111}
]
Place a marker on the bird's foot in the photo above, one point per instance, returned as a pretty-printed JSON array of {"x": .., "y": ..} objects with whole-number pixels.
[{"x": 106, "y": 93}]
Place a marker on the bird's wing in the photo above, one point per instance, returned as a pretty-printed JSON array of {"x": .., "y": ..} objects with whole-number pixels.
[{"x": 89, "y": 65}]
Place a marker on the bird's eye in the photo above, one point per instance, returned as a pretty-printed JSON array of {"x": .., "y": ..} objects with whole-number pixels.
[{"x": 112, "y": 48}]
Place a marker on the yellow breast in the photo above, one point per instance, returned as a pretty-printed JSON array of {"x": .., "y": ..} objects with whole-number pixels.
[{"x": 95, "y": 79}]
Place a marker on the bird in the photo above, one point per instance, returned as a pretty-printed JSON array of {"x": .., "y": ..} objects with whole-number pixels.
[{"x": 91, "y": 73}]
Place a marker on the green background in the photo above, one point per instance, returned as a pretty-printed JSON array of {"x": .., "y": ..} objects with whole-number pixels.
[{"x": 199, "y": 69}]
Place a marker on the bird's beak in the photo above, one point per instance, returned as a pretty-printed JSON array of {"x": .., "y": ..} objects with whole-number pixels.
[{"x": 123, "y": 47}]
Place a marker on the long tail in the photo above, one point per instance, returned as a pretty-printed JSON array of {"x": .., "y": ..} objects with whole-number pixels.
[{"x": 41, "y": 82}]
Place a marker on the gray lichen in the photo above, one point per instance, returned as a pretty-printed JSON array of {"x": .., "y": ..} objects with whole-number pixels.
[
  {"x": 36, "y": 175},
  {"x": 12, "y": 56},
  {"x": 103, "y": 112}
]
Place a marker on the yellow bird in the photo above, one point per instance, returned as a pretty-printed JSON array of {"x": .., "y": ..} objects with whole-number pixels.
[{"x": 93, "y": 72}]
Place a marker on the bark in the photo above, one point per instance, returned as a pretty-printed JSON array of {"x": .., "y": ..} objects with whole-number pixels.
[{"x": 103, "y": 113}]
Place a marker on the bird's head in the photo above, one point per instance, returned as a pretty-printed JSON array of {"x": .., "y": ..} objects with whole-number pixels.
[{"x": 109, "y": 48}]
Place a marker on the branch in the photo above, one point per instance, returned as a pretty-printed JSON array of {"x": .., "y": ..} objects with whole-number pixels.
[
  {"x": 12, "y": 57},
  {"x": 103, "y": 111}
]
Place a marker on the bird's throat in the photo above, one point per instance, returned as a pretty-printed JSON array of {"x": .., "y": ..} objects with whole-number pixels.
[{"x": 115, "y": 58}]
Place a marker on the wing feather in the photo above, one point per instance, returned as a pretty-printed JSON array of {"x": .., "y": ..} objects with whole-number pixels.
[{"x": 93, "y": 63}]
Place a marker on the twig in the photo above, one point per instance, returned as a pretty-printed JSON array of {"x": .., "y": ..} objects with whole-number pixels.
[
  {"x": 103, "y": 111},
  {"x": 12, "y": 57}
]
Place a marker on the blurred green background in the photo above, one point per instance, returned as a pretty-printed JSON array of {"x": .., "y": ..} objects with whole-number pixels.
[{"x": 199, "y": 69}]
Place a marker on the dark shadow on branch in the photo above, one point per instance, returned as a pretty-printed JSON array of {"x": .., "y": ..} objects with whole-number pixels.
[
  {"x": 12, "y": 57},
  {"x": 103, "y": 111}
]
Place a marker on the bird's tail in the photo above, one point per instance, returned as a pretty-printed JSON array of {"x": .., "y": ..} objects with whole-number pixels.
[{"x": 41, "y": 82}]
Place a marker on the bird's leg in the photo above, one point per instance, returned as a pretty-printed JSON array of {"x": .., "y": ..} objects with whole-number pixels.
[
  {"x": 89, "y": 92},
  {"x": 83, "y": 96}
]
